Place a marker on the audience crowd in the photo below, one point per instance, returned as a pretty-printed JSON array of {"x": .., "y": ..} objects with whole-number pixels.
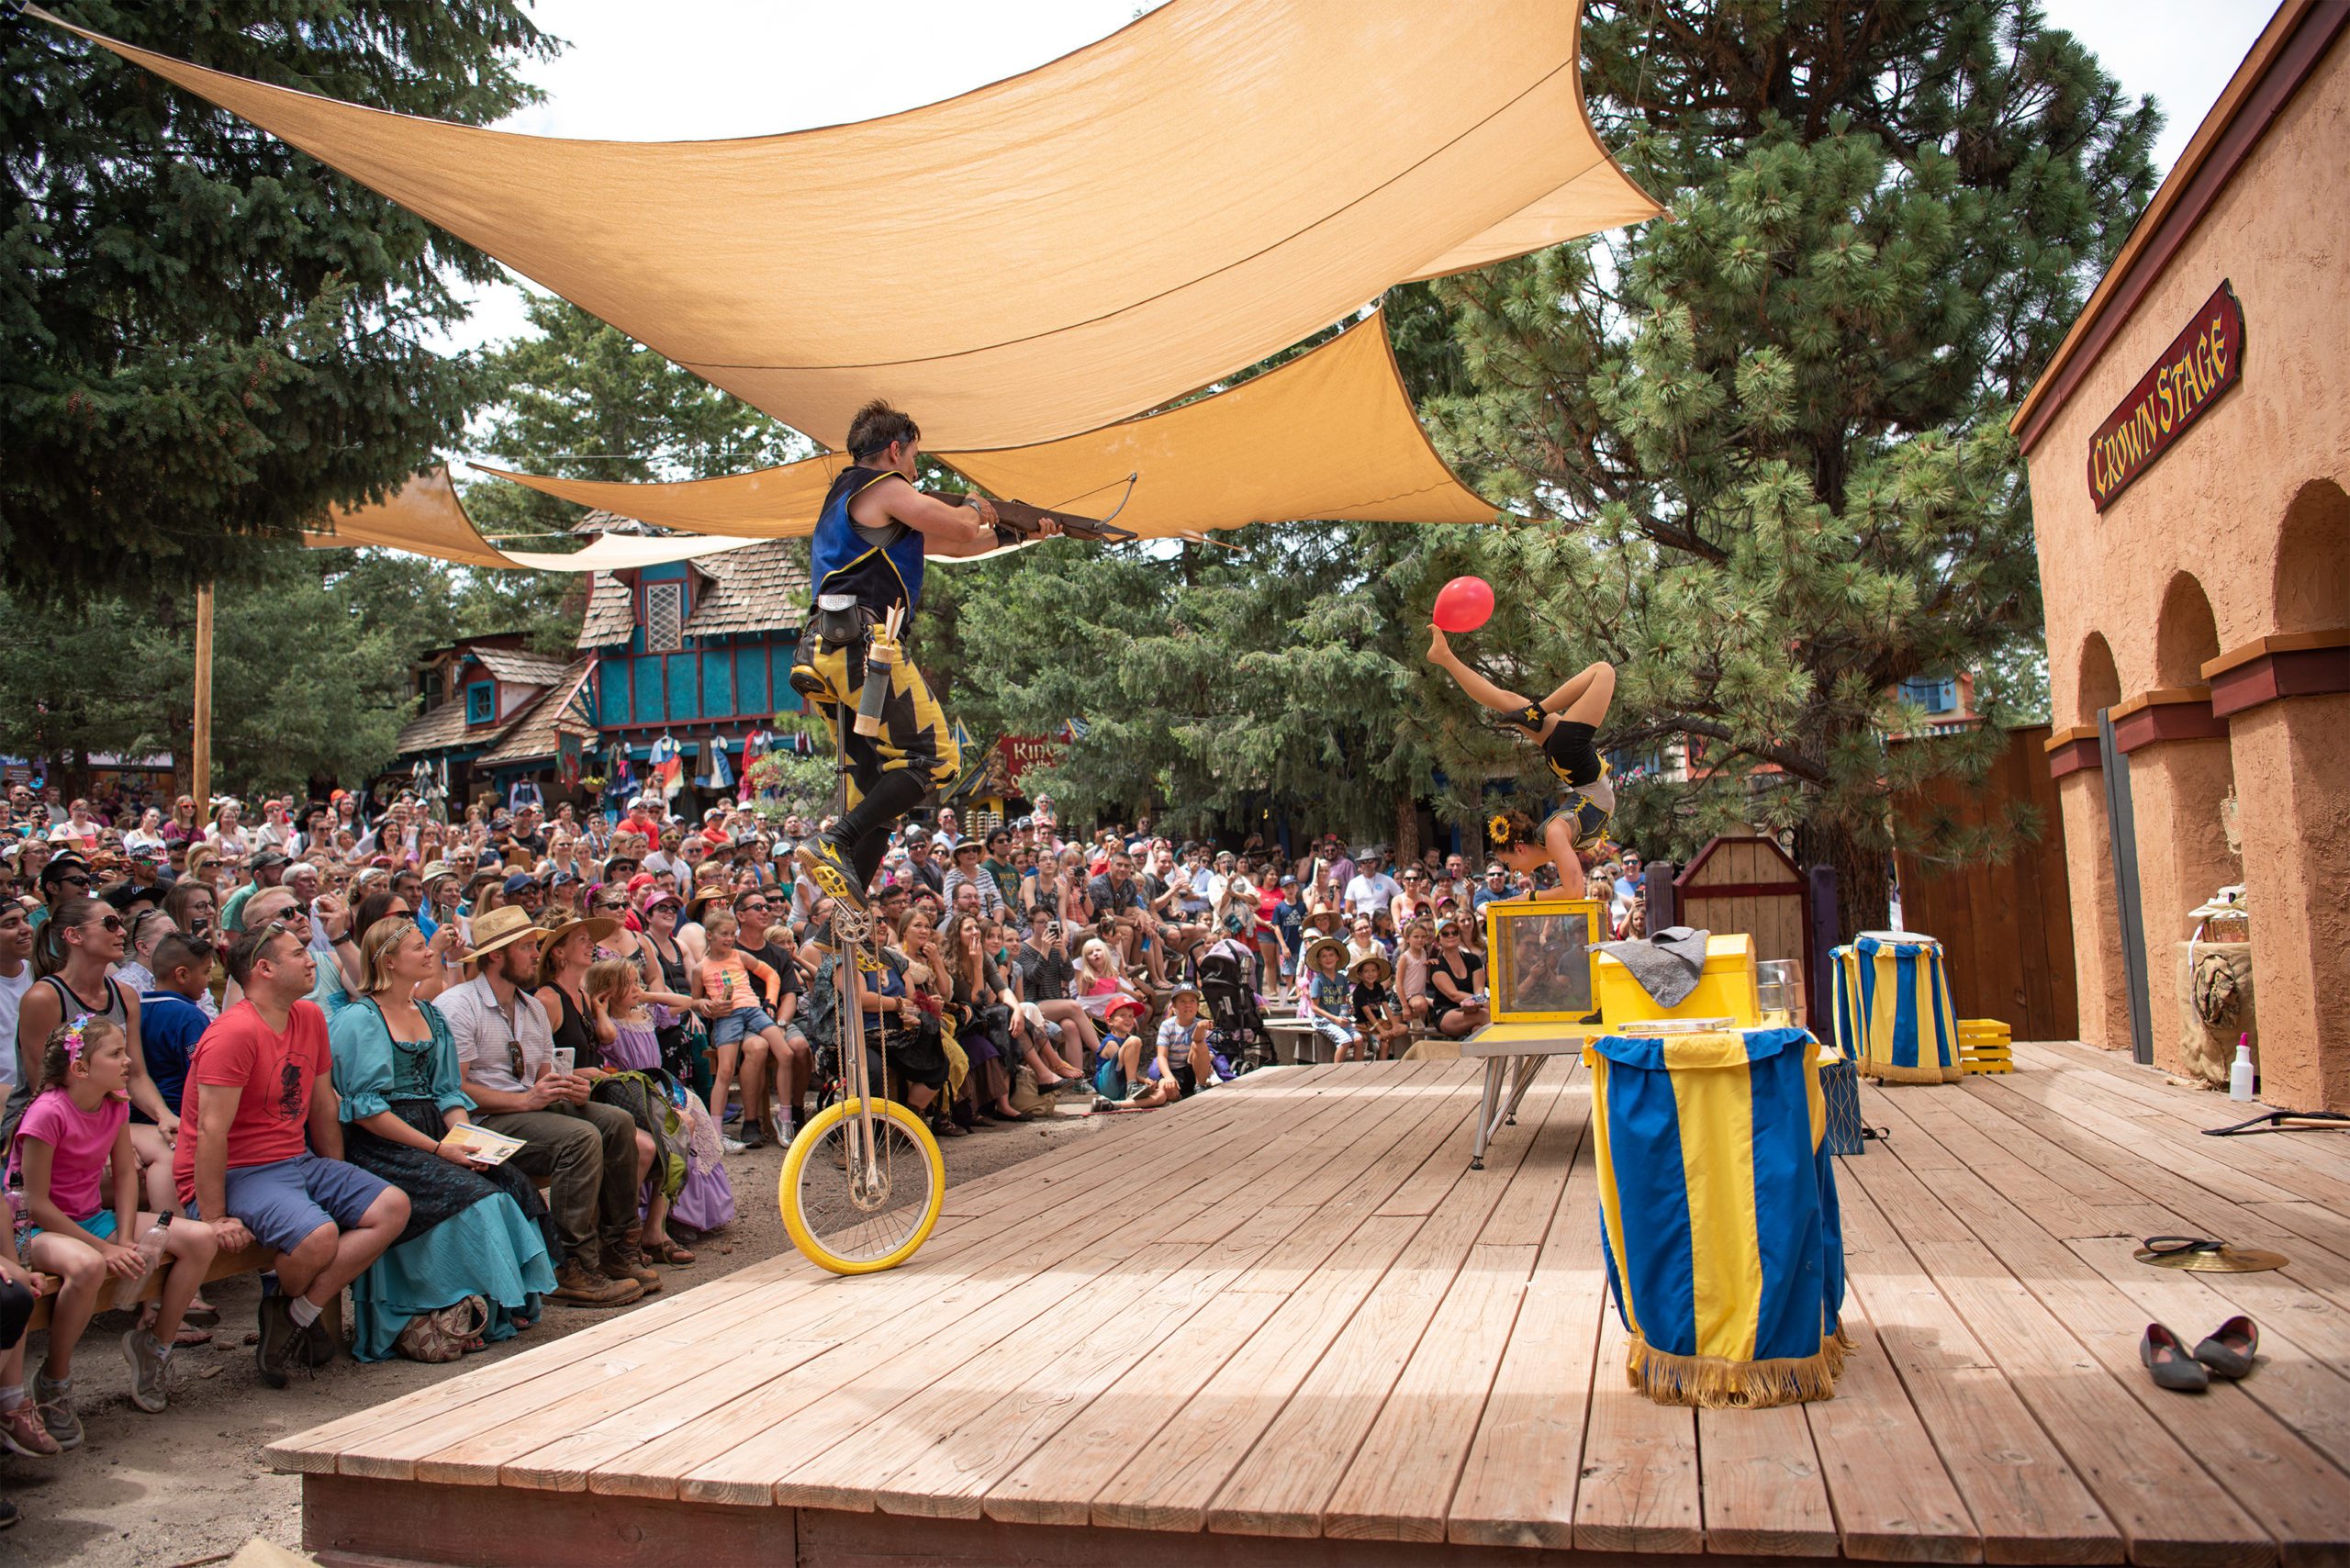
[{"x": 463, "y": 1069}]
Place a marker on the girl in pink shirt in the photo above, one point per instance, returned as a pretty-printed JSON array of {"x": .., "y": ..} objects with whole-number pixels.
[{"x": 77, "y": 1124}]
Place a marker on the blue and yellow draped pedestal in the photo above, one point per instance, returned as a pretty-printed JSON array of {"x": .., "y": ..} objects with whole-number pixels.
[
  {"x": 1724, "y": 1249},
  {"x": 1893, "y": 1009}
]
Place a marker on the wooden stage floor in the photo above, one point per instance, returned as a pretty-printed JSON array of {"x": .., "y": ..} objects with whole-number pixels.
[{"x": 1285, "y": 1322}]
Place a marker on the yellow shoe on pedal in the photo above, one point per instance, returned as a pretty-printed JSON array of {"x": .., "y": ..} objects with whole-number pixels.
[
  {"x": 805, "y": 680},
  {"x": 822, "y": 860}
]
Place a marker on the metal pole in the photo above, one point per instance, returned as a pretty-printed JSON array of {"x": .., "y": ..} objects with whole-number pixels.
[{"x": 200, "y": 749}]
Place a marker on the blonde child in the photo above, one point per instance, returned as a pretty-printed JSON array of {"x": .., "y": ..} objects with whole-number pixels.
[
  {"x": 739, "y": 989},
  {"x": 627, "y": 1023},
  {"x": 1325, "y": 997},
  {"x": 77, "y": 1125}
]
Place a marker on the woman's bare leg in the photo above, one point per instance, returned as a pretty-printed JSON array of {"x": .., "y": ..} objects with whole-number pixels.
[{"x": 1585, "y": 697}]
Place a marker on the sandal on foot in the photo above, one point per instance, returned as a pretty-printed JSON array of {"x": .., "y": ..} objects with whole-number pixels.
[
  {"x": 667, "y": 1252},
  {"x": 190, "y": 1333},
  {"x": 2228, "y": 1352},
  {"x": 2165, "y": 1357}
]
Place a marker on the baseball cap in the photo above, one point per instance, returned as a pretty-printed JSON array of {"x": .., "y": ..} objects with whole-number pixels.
[{"x": 520, "y": 880}]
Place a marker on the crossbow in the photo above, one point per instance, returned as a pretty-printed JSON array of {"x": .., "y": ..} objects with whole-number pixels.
[{"x": 1018, "y": 521}]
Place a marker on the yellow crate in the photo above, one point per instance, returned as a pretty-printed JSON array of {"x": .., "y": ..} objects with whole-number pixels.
[
  {"x": 1728, "y": 988},
  {"x": 1984, "y": 1029},
  {"x": 1983, "y": 1064}
]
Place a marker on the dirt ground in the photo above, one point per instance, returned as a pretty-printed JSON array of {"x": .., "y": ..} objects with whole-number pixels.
[{"x": 191, "y": 1485}]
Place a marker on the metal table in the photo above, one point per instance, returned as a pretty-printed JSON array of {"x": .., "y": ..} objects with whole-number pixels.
[{"x": 1514, "y": 1054}]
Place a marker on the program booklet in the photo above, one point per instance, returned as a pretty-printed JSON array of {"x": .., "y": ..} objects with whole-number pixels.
[{"x": 480, "y": 1143}]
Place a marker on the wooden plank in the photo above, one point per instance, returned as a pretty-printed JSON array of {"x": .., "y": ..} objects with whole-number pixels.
[
  {"x": 1760, "y": 1483},
  {"x": 1399, "y": 1484},
  {"x": 2170, "y": 1512},
  {"x": 348, "y": 1520},
  {"x": 2026, "y": 1502},
  {"x": 1517, "y": 1480},
  {"x": 1638, "y": 1489},
  {"x": 1894, "y": 1501}
]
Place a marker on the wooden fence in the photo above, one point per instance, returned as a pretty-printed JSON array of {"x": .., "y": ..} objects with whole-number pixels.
[
  {"x": 1745, "y": 883},
  {"x": 2006, "y": 929}
]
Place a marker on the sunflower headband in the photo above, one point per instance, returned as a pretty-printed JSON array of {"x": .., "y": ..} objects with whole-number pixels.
[{"x": 1497, "y": 831}]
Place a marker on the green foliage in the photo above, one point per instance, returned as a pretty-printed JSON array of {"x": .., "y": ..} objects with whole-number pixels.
[
  {"x": 583, "y": 401},
  {"x": 210, "y": 338},
  {"x": 1775, "y": 420},
  {"x": 311, "y": 652}
]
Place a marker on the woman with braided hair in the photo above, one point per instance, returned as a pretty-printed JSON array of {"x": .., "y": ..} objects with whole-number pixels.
[{"x": 1563, "y": 725}]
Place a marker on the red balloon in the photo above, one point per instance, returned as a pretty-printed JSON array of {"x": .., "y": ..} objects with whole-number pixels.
[{"x": 1463, "y": 604}]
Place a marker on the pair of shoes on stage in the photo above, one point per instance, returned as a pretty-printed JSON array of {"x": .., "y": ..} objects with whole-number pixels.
[{"x": 2227, "y": 1352}]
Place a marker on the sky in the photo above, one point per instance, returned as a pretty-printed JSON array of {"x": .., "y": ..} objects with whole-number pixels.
[{"x": 725, "y": 68}]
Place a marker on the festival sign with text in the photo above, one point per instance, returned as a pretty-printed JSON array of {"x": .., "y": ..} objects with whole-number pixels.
[{"x": 2201, "y": 362}]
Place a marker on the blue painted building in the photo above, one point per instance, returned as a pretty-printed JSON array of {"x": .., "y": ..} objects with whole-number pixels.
[{"x": 697, "y": 652}]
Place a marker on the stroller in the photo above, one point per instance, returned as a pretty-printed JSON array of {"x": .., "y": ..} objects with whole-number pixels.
[{"x": 1236, "y": 1027}]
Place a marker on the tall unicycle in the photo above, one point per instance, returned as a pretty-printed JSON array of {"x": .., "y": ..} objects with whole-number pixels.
[{"x": 863, "y": 1182}]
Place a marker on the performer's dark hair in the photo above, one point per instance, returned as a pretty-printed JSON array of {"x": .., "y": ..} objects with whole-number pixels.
[{"x": 876, "y": 426}]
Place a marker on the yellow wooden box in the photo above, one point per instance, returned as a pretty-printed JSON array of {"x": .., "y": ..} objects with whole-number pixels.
[
  {"x": 1727, "y": 988},
  {"x": 1539, "y": 960}
]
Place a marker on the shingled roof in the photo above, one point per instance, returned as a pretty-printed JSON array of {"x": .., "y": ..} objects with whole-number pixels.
[
  {"x": 520, "y": 668},
  {"x": 549, "y": 715},
  {"x": 439, "y": 729},
  {"x": 760, "y": 588}
]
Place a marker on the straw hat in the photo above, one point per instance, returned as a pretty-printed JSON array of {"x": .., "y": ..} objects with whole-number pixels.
[
  {"x": 1385, "y": 968},
  {"x": 1313, "y": 952},
  {"x": 601, "y": 927},
  {"x": 501, "y": 928}
]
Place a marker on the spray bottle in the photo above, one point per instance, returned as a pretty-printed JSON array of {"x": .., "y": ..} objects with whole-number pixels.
[{"x": 2240, "y": 1075}]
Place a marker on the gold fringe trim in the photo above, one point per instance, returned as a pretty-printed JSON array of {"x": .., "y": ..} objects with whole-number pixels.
[
  {"x": 1885, "y": 1072},
  {"x": 1713, "y": 1382}
]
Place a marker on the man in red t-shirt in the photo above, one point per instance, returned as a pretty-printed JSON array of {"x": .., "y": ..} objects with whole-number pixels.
[{"x": 261, "y": 1144}]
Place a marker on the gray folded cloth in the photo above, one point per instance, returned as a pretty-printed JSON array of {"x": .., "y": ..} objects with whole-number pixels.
[{"x": 1668, "y": 965}]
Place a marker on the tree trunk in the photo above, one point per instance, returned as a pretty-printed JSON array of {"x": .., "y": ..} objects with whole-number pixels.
[
  {"x": 1407, "y": 830},
  {"x": 1863, "y": 875}
]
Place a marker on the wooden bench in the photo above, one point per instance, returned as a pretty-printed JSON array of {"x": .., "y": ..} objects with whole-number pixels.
[{"x": 226, "y": 1265}]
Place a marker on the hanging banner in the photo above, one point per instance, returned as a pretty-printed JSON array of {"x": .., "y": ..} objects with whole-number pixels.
[
  {"x": 567, "y": 760},
  {"x": 2202, "y": 362}
]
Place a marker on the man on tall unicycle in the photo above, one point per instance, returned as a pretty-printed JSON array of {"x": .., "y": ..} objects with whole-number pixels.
[{"x": 865, "y": 562}]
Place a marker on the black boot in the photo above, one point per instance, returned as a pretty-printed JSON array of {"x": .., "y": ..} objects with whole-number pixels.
[{"x": 841, "y": 858}]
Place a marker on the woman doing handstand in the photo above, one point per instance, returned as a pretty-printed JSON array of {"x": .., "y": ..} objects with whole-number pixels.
[{"x": 1563, "y": 725}]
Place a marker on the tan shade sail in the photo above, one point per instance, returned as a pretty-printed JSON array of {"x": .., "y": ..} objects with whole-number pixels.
[
  {"x": 1049, "y": 253},
  {"x": 1329, "y": 436},
  {"x": 423, "y": 517},
  {"x": 426, "y": 517}
]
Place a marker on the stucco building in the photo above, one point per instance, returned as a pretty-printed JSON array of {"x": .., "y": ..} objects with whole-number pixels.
[{"x": 2188, "y": 446}]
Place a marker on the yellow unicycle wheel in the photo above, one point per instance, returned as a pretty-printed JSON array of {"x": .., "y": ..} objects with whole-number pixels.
[{"x": 861, "y": 1194}]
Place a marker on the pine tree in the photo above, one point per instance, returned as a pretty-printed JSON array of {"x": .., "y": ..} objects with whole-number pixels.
[
  {"x": 1774, "y": 423},
  {"x": 583, "y": 401},
  {"x": 209, "y": 336}
]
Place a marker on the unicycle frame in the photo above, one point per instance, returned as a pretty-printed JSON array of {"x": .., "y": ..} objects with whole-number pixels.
[{"x": 863, "y": 1142}]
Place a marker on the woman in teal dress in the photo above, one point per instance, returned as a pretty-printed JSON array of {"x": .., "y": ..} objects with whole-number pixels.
[{"x": 471, "y": 1230}]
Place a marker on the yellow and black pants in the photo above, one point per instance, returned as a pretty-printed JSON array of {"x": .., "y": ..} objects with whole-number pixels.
[{"x": 915, "y": 737}]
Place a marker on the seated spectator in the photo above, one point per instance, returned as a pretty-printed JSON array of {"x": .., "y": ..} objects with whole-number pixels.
[
  {"x": 761, "y": 936},
  {"x": 970, "y": 872},
  {"x": 585, "y": 1152},
  {"x": 1184, "y": 1058},
  {"x": 21, "y": 1430},
  {"x": 904, "y": 1050},
  {"x": 260, "y": 1149},
  {"x": 1325, "y": 997},
  {"x": 629, "y": 1024},
  {"x": 76, "y": 1129},
  {"x": 980, "y": 1004},
  {"x": 1048, "y": 981},
  {"x": 1120, "y": 1077},
  {"x": 1456, "y": 1002},
  {"x": 1099, "y": 980},
  {"x": 1412, "y": 961},
  {"x": 1362, "y": 940},
  {"x": 472, "y": 1229},
  {"x": 740, "y": 989},
  {"x": 1378, "y": 1013}
]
